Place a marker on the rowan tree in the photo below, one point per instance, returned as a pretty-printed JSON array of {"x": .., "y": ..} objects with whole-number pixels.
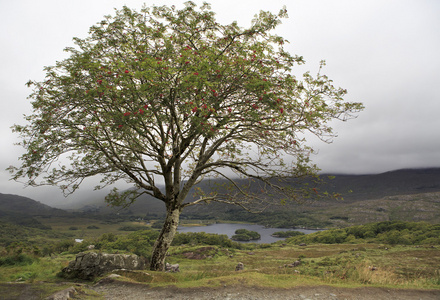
[{"x": 162, "y": 98}]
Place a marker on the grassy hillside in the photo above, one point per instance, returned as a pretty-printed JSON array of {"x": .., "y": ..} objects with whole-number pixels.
[
  {"x": 26, "y": 206},
  {"x": 358, "y": 256},
  {"x": 407, "y": 195}
]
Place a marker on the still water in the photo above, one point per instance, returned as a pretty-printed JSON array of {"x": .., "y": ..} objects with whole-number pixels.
[{"x": 229, "y": 230}]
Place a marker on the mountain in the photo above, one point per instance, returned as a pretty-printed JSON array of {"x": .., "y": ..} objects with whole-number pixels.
[
  {"x": 398, "y": 182},
  {"x": 353, "y": 188},
  {"x": 22, "y": 210},
  {"x": 26, "y": 206},
  {"x": 407, "y": 194}
]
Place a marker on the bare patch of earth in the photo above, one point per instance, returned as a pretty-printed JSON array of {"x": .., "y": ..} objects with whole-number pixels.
[{"x": 118, "y": 290}]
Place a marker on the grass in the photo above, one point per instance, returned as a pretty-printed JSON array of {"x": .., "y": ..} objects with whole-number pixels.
[
  {"x": 338, "y": 264},
  {"x": 344, "y": 265},
  {"x": 82, "y": 231}
]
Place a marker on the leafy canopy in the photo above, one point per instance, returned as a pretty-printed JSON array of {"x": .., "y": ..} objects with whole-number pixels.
[{"x": 173, "y": 94}]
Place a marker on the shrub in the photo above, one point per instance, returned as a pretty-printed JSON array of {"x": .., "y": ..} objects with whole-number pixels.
[
  {"x": 17, "y": 260},
  {"x": 285, "y": 234},
  {"x": 245, "y": 235},
  {"x": 131, "y": 228}
]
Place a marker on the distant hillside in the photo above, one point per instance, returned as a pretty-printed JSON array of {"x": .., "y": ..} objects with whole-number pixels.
[
  {"x": 26, "y": 206},
  {"x": 352, "y": 187},
  {"x": 398, "y": 182},
  {"x": 407, "y": 195},
  {"x": 22, "y": 210}
]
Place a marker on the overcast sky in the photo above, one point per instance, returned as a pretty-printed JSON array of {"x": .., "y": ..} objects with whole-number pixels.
[{"x": 384, "y": 52}]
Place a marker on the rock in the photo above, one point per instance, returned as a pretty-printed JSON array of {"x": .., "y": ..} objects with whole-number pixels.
[
  {"x": 89, "y": 265},
  {"x": 239, "y": 267},
  {"x": 63, "y": 295},
  {"x": 172, "y": 268},
  {"x": 91, "y": 247},
  {"x": 294, "y": 264},
  {"x": 303, "y": 244}
]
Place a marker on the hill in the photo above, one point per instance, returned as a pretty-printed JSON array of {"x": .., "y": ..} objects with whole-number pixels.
[
  {"x": 365, "y": 198},
  {"x": 407, "y": 195},
  {"x": 22, "y": 210},
  {"x": 26, "y": 206}
]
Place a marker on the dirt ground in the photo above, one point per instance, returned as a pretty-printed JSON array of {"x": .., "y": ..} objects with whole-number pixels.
[
  {"x": 116, "y": 290},
  {"x": 129, "y": 291}
]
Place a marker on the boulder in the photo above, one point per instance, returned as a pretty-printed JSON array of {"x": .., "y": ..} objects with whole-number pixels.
[
  {"x": 89, "y": 265},
  {"x": 65, "y": 294},
  {"x": 172, "y": 268},
  {"x": 239, "y": 267},
  {"x": 292, "y": 265}
]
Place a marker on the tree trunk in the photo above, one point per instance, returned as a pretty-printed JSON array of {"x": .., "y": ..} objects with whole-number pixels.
[{"x": 164, "y": 240}]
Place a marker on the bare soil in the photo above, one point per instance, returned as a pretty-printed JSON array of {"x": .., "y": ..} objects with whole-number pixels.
[
  {"x": 119, "y": 290},
  {"x": 131, "y": 291}
]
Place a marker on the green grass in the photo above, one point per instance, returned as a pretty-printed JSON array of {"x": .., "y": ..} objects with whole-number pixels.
[
  {"x": 344, "y": 265},
  {"x": 347, "y": 265},
  {"x": 340, "y": 265}
]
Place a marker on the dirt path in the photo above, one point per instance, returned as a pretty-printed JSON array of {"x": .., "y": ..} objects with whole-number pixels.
[{"x": 130, "y": 291}]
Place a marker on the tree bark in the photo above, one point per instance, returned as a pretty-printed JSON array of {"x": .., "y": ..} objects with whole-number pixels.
[{"x": 164, "y": 240}]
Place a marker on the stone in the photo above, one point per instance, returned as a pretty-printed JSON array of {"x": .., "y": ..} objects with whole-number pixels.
[
  {"x": 65, "y": 294},
  {"x": 89, "y": 265},
  {"x": 294, "y": 264},
  {"x": 239, "y": 267},
  {"x": 172, "y": 268}
]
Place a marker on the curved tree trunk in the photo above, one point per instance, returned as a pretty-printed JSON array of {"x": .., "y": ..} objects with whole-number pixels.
[{"x": 164, "y": 240}]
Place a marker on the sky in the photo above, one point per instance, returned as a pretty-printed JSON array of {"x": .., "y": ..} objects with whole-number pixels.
[{"x": 384, "y": 52}]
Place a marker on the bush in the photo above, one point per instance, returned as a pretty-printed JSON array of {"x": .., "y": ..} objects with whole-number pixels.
[
  {"x": 245, "y": 235},
  {"x": 285, "y": 234},
  {"x": 158, "y": 224},
  {"x": 390, "y": 232},
  {"x": 202, "y": 238},
  {"x": 131, "y": 228},
  {"x": 17, "y": 260}
]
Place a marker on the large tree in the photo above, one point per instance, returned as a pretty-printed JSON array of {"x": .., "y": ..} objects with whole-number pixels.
[{"x": 163, "y": 98}]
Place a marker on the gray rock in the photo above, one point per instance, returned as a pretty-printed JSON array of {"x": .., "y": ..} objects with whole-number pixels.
[
  {"x": 239, "y": 267},
  {"x": 172, "y": 268},
  {"x": 89, "y": 265},
  {"x": 63, "y": 295}
]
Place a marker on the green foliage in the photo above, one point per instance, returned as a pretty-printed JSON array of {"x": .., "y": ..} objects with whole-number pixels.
[
  {"x": 139, "y": 242},
  {"x": 92, "y": 227},
  {"x": 286, "y": 234},
  {"x": 390, "y": 232},
  {"x": 245, "y": 235},
  {"x": 131, "y": 228},
  {"x": 274, "y": 219},
  {"x": 17, "y": 260},
  {"x": 199, "y": 238}
]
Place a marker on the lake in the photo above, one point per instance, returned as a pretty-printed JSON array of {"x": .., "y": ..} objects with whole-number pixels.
[{"x": 229, "y": 229}]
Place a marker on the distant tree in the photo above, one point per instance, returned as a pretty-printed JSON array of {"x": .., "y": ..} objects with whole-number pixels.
[{"x": 167, "y": 96}]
